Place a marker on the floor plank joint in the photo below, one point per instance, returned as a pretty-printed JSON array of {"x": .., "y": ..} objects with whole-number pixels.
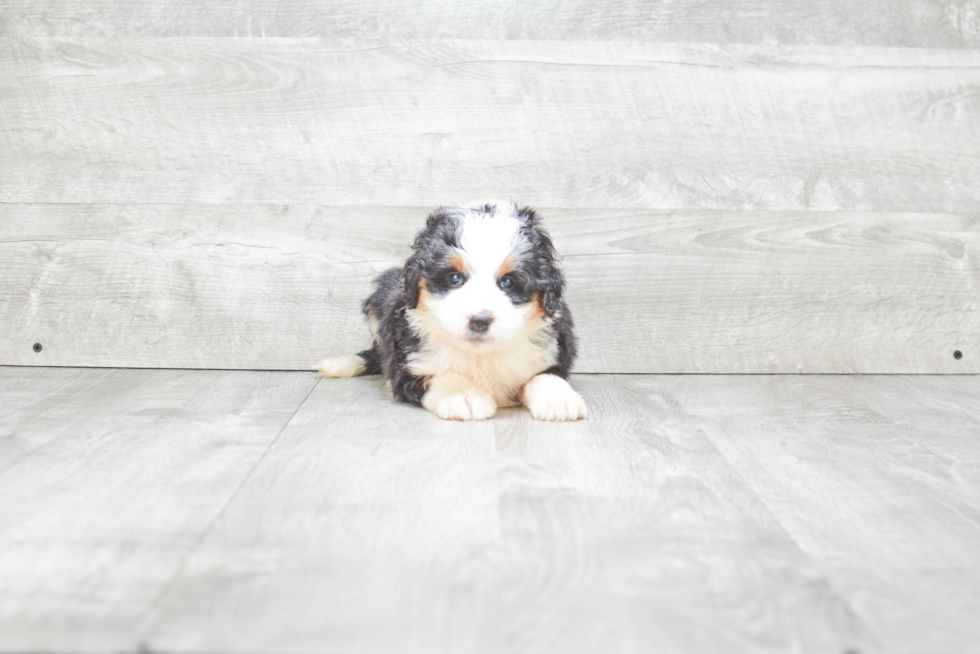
[{"x": 234, "y": 512}]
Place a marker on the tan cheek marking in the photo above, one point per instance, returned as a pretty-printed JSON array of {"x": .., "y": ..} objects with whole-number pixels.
[
  {"x": 424, "y": 296},
  {"x": 537, "y": 310},
  {"x": 421, "y": 318},
  {"x": 458, "y": 262}
]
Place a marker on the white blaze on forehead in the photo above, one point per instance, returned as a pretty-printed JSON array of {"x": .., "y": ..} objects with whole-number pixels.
[
  {"x": 485, "y": 242},
  {"x": 488, "y": 241}
]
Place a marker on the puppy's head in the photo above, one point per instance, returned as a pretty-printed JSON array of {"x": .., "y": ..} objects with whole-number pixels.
[{"x": 482, "y": 274}]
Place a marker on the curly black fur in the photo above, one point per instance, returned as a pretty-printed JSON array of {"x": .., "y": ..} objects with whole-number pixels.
[{"x": 395, "y": 338}]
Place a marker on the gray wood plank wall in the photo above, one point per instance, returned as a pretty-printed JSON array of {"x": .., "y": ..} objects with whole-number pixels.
[
  {"x": 922, "y": 23},
  {"x": 781, "y": 187}
]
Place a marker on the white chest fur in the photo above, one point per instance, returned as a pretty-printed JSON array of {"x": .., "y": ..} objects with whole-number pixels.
[{"x": 500, "y": 371}]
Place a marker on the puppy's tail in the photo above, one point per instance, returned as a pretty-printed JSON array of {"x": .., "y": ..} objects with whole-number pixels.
[{"x": 353, "y": 365}]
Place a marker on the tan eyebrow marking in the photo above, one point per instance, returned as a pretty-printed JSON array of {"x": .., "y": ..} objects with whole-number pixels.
[
  {"x": 457, "y": 261},
  {"x": 507, "y": 265}
]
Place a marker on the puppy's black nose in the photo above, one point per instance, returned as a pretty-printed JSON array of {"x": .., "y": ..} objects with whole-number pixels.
[{"x": 480, "y": 322}]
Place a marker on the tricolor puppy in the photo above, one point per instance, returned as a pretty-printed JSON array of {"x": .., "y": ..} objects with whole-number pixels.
[{"x": 474, "y": 321}]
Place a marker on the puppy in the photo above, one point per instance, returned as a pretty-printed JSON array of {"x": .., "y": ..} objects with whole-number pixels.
[{"x": 474, "y": 321}]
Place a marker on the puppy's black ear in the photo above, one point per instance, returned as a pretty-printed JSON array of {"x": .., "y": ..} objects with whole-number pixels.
[
  {"x": 550, "y": 278},
  {"x": 528, "y": 215},
  {"x": 412, "y": 275},
  {"x": 553, "y": 289}
]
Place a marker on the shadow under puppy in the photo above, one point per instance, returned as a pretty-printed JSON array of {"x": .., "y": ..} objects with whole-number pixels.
[{"x": 474, "y": 321}]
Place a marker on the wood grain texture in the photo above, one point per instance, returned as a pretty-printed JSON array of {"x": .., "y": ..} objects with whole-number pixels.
[
  {"x": 108, "y": 479},
  {"x": 280, "y": 287},
  {"x": 631, "y": 534},
  {"x": 192, "y": 287},
  {"x": 802, "y": 294},
  {"x": 689, "y": 513},
  {"x": 367, "y": 530},
  {"x": 837, "y": 22},
  {"x": 418, "y": 123},
  {"x": 885, "y": 471},
  {"x": 373, "y": 527}
]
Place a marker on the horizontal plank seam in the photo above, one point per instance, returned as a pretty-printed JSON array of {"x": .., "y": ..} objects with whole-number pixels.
[
  {"x": 639, "y": 209},
  {"x": 574, "y": 372}
]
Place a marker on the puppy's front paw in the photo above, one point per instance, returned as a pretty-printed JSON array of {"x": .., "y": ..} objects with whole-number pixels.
[
  {"x": 549, "y": 397},
  {"x": 471, "y": 404}
]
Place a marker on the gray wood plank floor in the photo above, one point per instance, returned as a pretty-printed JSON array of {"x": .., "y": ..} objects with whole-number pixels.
[
  {"x": 108, "y": 479},
  {"x": 192, "y": 511}
]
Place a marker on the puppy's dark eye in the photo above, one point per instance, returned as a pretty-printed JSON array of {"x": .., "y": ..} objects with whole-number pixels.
[
  {"x": 505, "y": 282},
  {"x": 455, "y": 279}
]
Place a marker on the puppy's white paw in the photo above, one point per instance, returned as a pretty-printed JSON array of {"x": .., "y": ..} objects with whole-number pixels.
[
  {"x": 345, "y": 366},
  {"x": 549, "y": 397},
  {"x": 471, "y": 404},
  {"x": 454, "y": 397}
]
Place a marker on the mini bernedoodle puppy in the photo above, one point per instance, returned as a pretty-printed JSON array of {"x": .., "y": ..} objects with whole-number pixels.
[{"x": 474, "y": 321}]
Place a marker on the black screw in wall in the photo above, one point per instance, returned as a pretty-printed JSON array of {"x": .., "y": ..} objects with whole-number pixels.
[
  {"x": 957, "y": 354},
  {"x": 37, "y": 347}
]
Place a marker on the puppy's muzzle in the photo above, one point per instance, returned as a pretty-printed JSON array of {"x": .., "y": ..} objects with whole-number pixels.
[{"x": 480, "y": 323}]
